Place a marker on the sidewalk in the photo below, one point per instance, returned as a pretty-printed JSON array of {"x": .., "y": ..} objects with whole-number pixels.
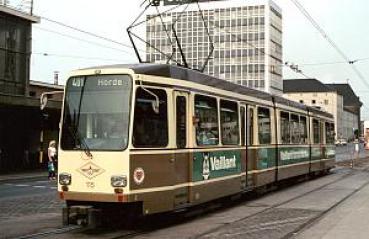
[
  {"x": 23, "y": 175},
  {"x": 349, "y": 220}
]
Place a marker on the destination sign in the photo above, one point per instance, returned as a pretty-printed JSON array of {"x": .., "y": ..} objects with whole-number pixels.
[{"x": 103, "y": 82}]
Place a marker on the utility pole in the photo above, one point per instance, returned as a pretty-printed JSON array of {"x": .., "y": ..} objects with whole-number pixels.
[{"x": 31, "y": 7}]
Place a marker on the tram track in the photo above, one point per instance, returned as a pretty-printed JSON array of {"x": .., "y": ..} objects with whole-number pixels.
[
  {"x": 148, "y": 228},
  {"x": 57, "y": 231},
  {"x": 312, "y": 221},
  {"x": 304, "y": 225}
]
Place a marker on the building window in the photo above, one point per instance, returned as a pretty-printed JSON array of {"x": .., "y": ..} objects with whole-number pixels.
[
  {"x": 313, "y": 102},
  {"x": 326, "y": 102},
  {"x": 301, "y": 101}
]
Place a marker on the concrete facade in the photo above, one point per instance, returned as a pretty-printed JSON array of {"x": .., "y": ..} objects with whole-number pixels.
[
  {"x": 24, "y": 129},
  {"x": 247, "y": 37}
]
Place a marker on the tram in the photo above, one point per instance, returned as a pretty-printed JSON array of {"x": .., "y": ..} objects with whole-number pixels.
[{"x": 161, "y": 138}]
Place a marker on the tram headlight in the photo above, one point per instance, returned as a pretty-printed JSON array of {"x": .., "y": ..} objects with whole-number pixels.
[
  {"x": 118, "y": 180},
  {"x": 65, "y": 179}
]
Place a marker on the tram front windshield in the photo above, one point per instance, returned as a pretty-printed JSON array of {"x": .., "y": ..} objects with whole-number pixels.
[{"x": 96, "y": 113}]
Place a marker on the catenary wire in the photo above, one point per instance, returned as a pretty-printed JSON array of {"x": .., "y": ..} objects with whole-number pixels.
[
  {"x": 82, "y": 40},
  {"x": 330, "y": 41},
  {"x": 87, "y": 32},
  {"x": 74, "y": 56}
]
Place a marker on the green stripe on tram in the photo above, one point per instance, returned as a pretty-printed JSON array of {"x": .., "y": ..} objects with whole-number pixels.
[
  {"x": 293, "y": 155},
  {"x": 265, "y": 158},
  {"x": 210, "y": 165}
]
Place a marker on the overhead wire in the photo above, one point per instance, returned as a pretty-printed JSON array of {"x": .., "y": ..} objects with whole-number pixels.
[
  {"x": 250, "y": 44},
  {"x": 82, "y": 40},
  {"x": 74, "y": 56},
  {"x": 330, "y": 41},
  {"x": 87, "y": 32}
]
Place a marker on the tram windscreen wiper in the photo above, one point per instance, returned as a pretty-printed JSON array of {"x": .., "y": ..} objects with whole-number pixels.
[
  {"x": 76, "y": 134},
  {"x": 81, "y": 142}
]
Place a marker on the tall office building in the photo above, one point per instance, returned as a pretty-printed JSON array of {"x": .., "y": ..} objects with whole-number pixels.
[{"x": 246, "y": 34}]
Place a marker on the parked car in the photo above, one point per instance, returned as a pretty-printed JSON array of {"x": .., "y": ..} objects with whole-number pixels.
[{"x": 341, "y": 142}]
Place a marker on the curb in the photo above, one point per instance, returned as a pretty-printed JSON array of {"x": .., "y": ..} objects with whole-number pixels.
[{"x": 21, "y": 177}]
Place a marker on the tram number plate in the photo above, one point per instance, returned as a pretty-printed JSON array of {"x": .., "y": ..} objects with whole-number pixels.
[{"x": 90, "y": 184}]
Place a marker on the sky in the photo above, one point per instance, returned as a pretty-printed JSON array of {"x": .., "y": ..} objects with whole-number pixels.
[{"x": 344, "y": 21}]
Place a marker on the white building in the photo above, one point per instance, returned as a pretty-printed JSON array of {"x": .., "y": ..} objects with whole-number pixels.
[
  {"x": 336, "y": 99},
  {"x": 247, "y": 37}
]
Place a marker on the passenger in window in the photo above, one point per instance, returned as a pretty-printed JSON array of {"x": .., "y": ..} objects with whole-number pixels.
[{"x": 206, "y": 137}]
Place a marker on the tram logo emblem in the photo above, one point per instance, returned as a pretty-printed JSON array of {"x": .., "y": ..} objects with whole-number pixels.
[
  {"x": 90, "y": 170},
  {"x": 206, "y": 166}
]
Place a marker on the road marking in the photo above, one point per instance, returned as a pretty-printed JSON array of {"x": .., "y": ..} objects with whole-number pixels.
[{"x": 32, "y": 186}]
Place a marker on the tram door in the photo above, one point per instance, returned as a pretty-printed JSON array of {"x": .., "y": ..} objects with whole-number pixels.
[
  {"x": 244, "y": 161},
  {"x": 182, "y": 162}
]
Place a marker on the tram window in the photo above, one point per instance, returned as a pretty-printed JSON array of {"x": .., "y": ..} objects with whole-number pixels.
[
  {"x": 285, "y": 128},
  {"x": 181, "y": 115},
  {"x": 295, "y": 129},
  {"x": 316, "y": 131},
  {"x": 207, "y": 130},
  {"x": 229, "y": 122},
  {"x": 150, "y": 127},
  {"x": 243, "y": 125},
  {"x": 264, "y": 126},
  {"x": 250, "y": 127},
  {"x": 329, "y": 133},
  {"x": 303, "y": 130}
]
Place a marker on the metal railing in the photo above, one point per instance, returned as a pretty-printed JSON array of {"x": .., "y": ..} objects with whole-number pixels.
[{"x": 25, "y": 6}]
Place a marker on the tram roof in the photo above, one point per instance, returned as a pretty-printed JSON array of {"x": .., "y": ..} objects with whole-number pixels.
[{"x": 181, "y": 73}]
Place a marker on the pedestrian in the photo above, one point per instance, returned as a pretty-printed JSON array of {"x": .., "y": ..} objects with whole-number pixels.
[{"x": 53, "y": 158}]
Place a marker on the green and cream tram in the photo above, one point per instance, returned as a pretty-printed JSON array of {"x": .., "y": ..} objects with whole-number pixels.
[{"x": 161, "y": 138}]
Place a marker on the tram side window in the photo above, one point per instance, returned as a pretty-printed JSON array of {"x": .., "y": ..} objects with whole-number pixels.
[
  {"x": 181, "y": 122},
  {"x": 264, "y": 126},
  {"x": 229, "y": 122},
  {"x": 243, "y": 125},
  {"x": 303, "y": 130},
  {"x": 150, "y": 127},
  {"x": 295, "y": 129},
  {"x": 207, "y": 130},
  {"x": 329, "y": 133},
  {"x": 316, "y": 131},
  {"x": 285, "y": 127},
  {"x": 250, "y": 127}
]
